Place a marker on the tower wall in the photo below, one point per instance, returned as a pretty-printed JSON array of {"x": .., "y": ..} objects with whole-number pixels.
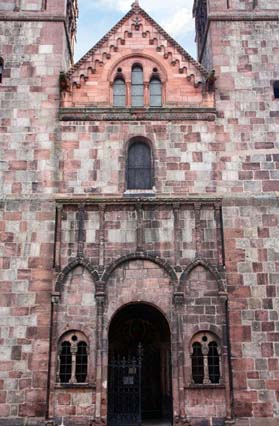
[
  {"x": 241, "y": 44},
  {"x": 35, "y": 48}
]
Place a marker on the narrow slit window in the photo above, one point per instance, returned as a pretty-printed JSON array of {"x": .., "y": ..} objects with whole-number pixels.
[
  {"x": 197, "y": 364},
  {"x": 139, "y": 167},
  {"x": 1, "y": 69},
  {"x": 155, "y": 92},
  {"x": 276, "y": 89},
  {"x": 137, "y": 86},
  {"x": 81, "y": 362},
  {"x": 119, "y": 93},
  {"x": 213, "y": 363},
  {"x": 65, "y": 362}
]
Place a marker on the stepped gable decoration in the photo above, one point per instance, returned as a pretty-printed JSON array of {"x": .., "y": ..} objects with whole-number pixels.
[{"x": 135, "y": 35}]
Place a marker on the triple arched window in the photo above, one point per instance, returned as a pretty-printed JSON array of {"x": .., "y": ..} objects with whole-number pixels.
[
  {"x": 72, "y": 358},
  {"x": 142, "y": 94},
  {"x": 206, "y": 359}
]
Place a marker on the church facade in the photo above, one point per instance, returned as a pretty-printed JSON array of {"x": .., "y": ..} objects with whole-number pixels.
[{"x": 139, "y": 219}]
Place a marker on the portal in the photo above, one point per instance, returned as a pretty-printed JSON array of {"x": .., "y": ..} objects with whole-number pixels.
[{"x": 139, "y": 372}]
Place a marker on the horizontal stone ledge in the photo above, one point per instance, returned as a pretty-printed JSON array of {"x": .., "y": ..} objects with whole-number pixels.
[
  {"x": 248, "y": 16},
  {"x": 131, "y": 114},
  {"x": 32, "y": 18}
]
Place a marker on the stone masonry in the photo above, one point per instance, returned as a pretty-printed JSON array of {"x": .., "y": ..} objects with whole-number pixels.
[{"x": 200, "y": 247}]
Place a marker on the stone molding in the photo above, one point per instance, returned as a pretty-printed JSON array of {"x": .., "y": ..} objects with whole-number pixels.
[{"x": 133, "y": 114}]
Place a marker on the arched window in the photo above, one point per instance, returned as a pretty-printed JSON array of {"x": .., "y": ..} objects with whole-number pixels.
[
  {"x": 155, "y": 92},
  {"x": 1, "y": 69},
  {"x": 139, "y": 166},
  {"x": 197, "y": 363},
  {"x": 206, "y": 361},
  {"x": 213, "y": 363},
  {"x": 72, "y": 358},
  {"x": 119, "y": 93},
  {"x": 276, "y": 89},
  {"x": 65, "y": 363},
  {"x": 137, "y": 86}
]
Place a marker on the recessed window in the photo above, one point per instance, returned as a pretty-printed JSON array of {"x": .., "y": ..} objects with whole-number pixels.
[
  {"x": 72, "y": 358},
  {"x": 139, "y": 166},
  {"x": 119, "y": 93},
  {"x": 137, "y": 86},
  {"x": 155, "y": 92},
  {"x": 206, "y": 368},
  {"x": 276, "y": 89},
  {"x": 197, "y": 364},
  {"x": 1, "y": 69}
]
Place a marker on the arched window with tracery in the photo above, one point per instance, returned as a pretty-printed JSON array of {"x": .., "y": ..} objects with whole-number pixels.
[
  {"x": 206, "y": 359},
  {"x": 72, "y": 358},
  {"x": 137, "y": 86},
  {"x": 119, "y": 93},
  {"x": 139, "y": 166},
  {"x": 155, "y": 89}
]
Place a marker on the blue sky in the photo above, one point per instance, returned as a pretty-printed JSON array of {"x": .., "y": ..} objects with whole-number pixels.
[{"x": 97, "y": 17}]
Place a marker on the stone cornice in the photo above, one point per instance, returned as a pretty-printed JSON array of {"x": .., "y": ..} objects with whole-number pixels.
[
  {"x": 38, "y": 17},
  {"x": 132, "y": 114},
  {"x": 134, "y": 201},
  {"x": 248, "y": 16}
]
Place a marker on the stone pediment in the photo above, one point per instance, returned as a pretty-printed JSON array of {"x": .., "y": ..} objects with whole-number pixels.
[{"x": 136, "y": 38}]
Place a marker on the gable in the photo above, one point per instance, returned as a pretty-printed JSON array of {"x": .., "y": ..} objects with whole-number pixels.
[{"x": 137, "y": 38}]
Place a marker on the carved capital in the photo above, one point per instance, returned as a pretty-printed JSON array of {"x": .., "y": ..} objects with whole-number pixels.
[
  {"x": 55, "y": 298},
  {"x": 179, "y": 298}
]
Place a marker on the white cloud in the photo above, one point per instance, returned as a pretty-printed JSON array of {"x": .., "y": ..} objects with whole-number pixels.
[
  {"x": 98, "y": 16},
  {"x": 180, "y": 23}
]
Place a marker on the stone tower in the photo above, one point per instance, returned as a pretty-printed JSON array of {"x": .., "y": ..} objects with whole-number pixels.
[
  {"x": 36, "y": 44},
  {"x": 240, "y": 39}
]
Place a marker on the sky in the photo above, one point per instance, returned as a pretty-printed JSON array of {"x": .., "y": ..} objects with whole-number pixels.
[{"x": 97, "y": 17}]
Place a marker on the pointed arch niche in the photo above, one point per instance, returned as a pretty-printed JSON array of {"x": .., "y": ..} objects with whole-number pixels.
[
  {"x": 205, "y": 342},
  {"x": 73, "y": 340}
]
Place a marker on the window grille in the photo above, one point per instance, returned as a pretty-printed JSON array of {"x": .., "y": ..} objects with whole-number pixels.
[
  {"x": 137, "y": 86},
  {"x": 1, "y": 69},
  {"x": 139, "y": 167},
  {"x": 65, "y": 362},
  {"x": 213, "y": 363},
  {"x": 276, "y": 89},
  {"x": 197, "y": 364},
  {"x": 155, "y": 92},
  {"x": 119, "y": 93},
  {"x": 206, "y": 359},
  {"x": 72, "y": 358}
]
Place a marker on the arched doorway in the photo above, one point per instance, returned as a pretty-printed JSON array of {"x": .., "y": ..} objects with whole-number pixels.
[{"x": 139, "y": 372}]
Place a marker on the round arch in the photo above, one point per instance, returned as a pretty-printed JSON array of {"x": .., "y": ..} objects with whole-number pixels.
[
  {"x": 140, "y": 354},
  {"x": 162, "y": 263}
]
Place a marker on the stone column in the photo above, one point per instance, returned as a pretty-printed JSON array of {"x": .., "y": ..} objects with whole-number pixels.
[{"x": 100, "y": 300}]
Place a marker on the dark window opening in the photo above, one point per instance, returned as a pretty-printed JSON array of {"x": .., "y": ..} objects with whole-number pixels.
[
  {"x": 137, "y": 86},
  {"x": 81, "y": 362},
  {"x": 276, "y": 89},
  {"x": 139, "y": 167},
  {"x": 197, "y": 364},
  {"x": 213, "y": 363},
  {"x": 155, "y": 92},
  {"x": 119, "y": 93},
  {"x": 65, "y": 362},
  {"x": 1, "y": 69}
]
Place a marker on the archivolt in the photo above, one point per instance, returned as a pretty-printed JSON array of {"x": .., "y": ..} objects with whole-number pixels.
[
  {"x": 140, "y": 256},
  {"x": 212, "y": 269},
  {"x": 75, "y": 263}
]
